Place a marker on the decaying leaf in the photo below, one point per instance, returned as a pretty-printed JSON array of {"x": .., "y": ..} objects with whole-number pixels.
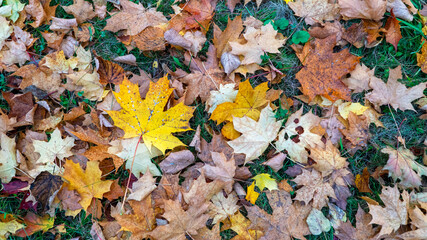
[{"x": 324, "y": 69}]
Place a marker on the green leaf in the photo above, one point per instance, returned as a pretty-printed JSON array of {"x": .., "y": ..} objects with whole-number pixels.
[
  {"x": 281, "y": 23},
  {"x": 300, "y": 37}
]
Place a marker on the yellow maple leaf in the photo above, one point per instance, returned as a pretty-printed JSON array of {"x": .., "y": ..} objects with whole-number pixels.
[
  {"x": 148, "y": 118},
  {"x": 264, "y": 180},
  {"x": 249, "y": 102},
  {"x": 87, "y": 182},
  {"x": 251, "y": 195}
]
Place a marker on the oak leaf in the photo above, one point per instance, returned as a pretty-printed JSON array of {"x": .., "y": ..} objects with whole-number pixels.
[
  {"x": 287, "y": 221},
  {"x": 87, "y": 183},
  {"x": 402, "y": 165},
  {"x": 394, "y": 213},
  {"x": 394, "y": 92},
  {"x": 147, "y": 118},
  {"x": 324, "y": 69},
  {"x": 134, "y": 18},
  {"x": 315, "y": 10},
  {"x": 259, "y": 42},
  {"x": 363, "y": 9},
  {"x": 297, "y": 136},
  {"x": 314, "y": 188},
  {"x": 256, "y": 136}
]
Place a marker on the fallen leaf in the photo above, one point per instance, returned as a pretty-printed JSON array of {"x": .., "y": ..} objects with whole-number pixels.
[
  {"x": 402, "y": 9},
  {"x": 45, "y": 188},
  {"x": 177, "y": 161},
  {"x": 180, "y": 222},
  {"x": 223, "y": 207},
  {"x": 297, "y": 136},
  {"x": 225, "y": 93},
  {"x": 256, "y": 136},
  {"x": 241, "y": 226},
  {"x": 143, "y": 187},
  {"x": 62, "y": 24},
  {"x": 249, "y": 102},
  {"x": 286, "y": 222},
  {"x": 264, "y": 180},
  {"x": 394, "y": 93},
  {"x": 140, "y": 221},
  {"x": 146, "y": 118},
  {"x": 69, "y": 199},
  {"x": 327, "y": 159},
  {"x": 231, "y": 33},
  {"x": 201, "y": 13},
  {"x": 134, "y": 18},
  {"x": 360, "y": 78},
  {"x": 34, "y": 224},
  {"x": 324, "y": 69},
  {"x": 314, "y": 188},
  {"x": 9, "y": 227},
  {"x": 251, "y": 195},
  {"x": 204, "y": 77},
  {"x": 110, "y": 72},
  {"x": 259, "y": 41},
  {"x": 393, "y": 34},
  {"x": 137, "y": 156},
  {"x": 150, "y": 39},
  {"x": 419, "y": 221},
  {"x": 317, "y": 222},
  {"x": 362, "y": 181},
  {"x": 402, "y": 165},
  {"x": 276, "y": 162},
  {"x": 394, "y": 213},
  {"x": 81, "y": 10},
  {"x": 224, "y": 170},
  {"x": 422, "y": 58},
  {"x": 363, "y": 9},
  {"x": 7, "y": 158},
  {"x": 315, "y": 10},
  {"x": 87, "y": 182},
  {"x": 362, "y": 231},
  {"x": 56, "y": 148}
]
